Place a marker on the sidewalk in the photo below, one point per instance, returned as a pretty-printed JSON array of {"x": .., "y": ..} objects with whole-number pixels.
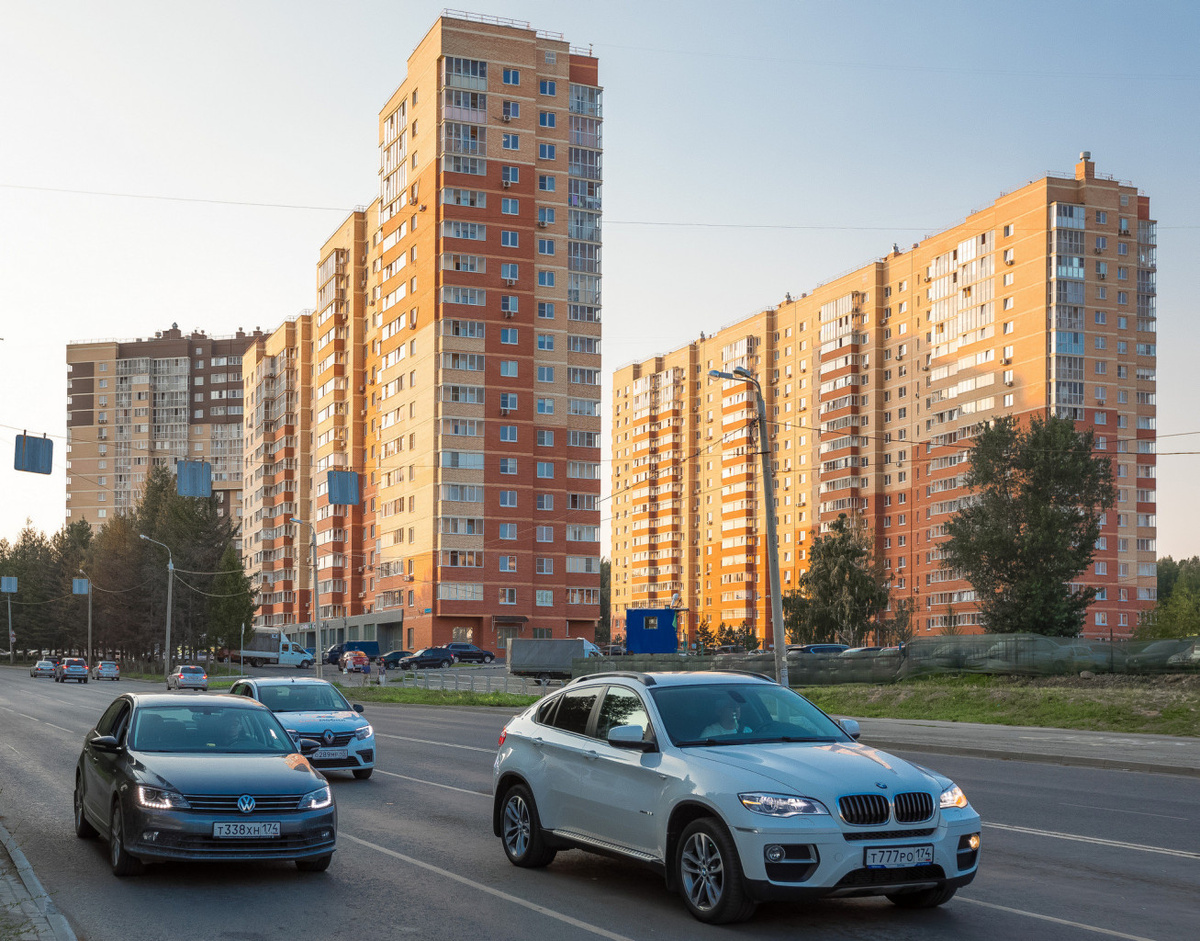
[
  {"x": 1157, "y": 754},
  {"x": 26, "y": 911}
]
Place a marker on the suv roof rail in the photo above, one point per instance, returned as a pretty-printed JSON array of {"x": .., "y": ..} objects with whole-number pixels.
[
  {"x": 644, "y": 678},
  {"x": 752, "y": 673}
]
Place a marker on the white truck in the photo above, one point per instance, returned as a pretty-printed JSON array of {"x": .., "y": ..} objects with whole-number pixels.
[
  {"x": 262, "y": 647},
  {"x": 547, "y": 659}
]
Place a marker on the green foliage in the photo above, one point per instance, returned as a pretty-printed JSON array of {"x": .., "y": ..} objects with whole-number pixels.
[
  {"x": 705, "y": 639},
  {"x": 1172, "y": 573},
  {"x": 1038, "y": 494},
  {"x": 1178, "y": 617},
  {"x": 604, "y": 626},
  {"x": 842, "y": 591},
  {"x": 897, "y": 629}
]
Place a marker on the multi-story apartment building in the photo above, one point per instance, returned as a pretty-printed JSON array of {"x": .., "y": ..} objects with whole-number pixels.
[
  {"x": 132, "y": 404},
  {"x": 1042, "y": 303}
]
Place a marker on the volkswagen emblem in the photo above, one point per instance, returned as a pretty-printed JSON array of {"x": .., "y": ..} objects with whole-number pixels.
[
  {"x": 246, "y": 804},
  {"x": 881, "y": 785},
  {"x": 328, "y": 736}
]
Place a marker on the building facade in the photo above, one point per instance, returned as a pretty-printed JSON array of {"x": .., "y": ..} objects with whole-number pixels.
[
  {"x": 1042, "y": 303},
  {"x": 134, "y": 404}
]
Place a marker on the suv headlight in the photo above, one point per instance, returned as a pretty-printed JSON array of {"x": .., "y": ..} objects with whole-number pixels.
[
  {"x": 953, "y": 797},
  {"x": 158, "y": 798},
  {"x": 781, "y": 805},
  {"x": 364, "y": 732},
  {"x": 315, "y": 800}
]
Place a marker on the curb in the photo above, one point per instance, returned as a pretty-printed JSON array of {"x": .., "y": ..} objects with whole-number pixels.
[
  {"x": 56, "y": 922},
  {"x": 1074, "y": 761}
]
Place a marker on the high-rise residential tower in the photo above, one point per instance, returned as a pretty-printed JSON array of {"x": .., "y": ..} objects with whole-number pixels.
[{"x": 875, "y": 382}]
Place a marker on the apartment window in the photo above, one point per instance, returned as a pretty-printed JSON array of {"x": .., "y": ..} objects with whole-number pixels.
[
  {"x": 1101, "y": 217},
  {"x": 546, "y": 119},
  {"x": 545, "y": 406},
  {"x": 509, "y": 271},
  {"x": 508, "y": 368},
  {"x": 508, "y": 498},
  {"x": 1122, "y": 274},
  {"x": 1122, "y": 248},
  {"x": 510, "y": 174},
  {"x": 544, "y": 566},
  {"x": 1101, "y": 317},
  {"x": 509, "y": 238},
  {"x": 546, "y": 310},
  {"x": 1008, "y": 326},
  {"x": 509, "y": 206},
  {"x": 508, "y": 400},
  {"x": 545, "y": 438},
  {"x": 545, "y": 279},
  {"x": 1101, "y": 242},
  {"x": 508, "y": 335},
  {"x": 546, "y": 217},
  {"x": 508, "y": 596},
  {"x": 510, "y": 141},
  {"x": 509, "y": 303},
  {"x": 545, "y": 374},
  {"x": 1008, "y": 303},
  {"x": 545, "y": 470},
  {"x": 545, "y": 341},
  {"x": 508, "y": 563},
  {"x": 508, "y": 465},
  {"x": 508, "y": 433},
  {"x": 1101, "y": 293},
  {"x": 1008, "y": 256},
  {"x": 545, "y": 501},
  {"x": 508, "y": 530},
  {"x": 512, "y": 109},
  {"x": 1122, "y": 297},
  {"x": 511, "y": 77},
  {"x": 548, "y": 87},
  {"x": 1008, "y": 231},
  {"x": 544, "y": 598},
  {"x": 546, "y": 182},
  {"x": 1008, "y": 400},
  {"x": 1100, "y": 343},
  {"x": 547, "y": 151},
  {"x": 545, "y": 246},
  {"x": 545, "y": 534}
]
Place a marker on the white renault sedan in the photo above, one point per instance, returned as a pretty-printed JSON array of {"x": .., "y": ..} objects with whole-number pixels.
[
  {"x": 737, "y": 789},
  {"x": 314, "y": 709}
]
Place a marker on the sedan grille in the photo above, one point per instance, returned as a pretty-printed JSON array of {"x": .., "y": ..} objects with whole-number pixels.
[
  {"x": 228, "y": 803},
  {"x": 340, "y": 739},
  {"x": 864, "y": 809},
  {"x": 913, "y": 807}
]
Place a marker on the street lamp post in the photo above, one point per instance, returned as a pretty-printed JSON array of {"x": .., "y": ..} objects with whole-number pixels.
[
  {"x": 743, "y": 374},
  {"x": 170, "y": 588},
  {"x": 320, "y": 653}
]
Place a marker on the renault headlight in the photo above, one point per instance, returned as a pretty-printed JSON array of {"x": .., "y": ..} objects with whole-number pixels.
[
  {"x": 364, "y": 732},
  {"x": 781, "y": 805},
  {"x": 315, "y": 800},
  {"x": 160, "y": 798},
  {"x": 953, "y": 797}
]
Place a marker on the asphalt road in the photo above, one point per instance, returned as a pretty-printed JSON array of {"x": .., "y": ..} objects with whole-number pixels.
[{"x": 1069, "y": 853}]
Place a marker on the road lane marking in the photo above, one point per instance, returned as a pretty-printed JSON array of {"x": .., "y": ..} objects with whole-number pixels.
[
  {"x": 34, "y": 718},
  {"x": 1051, "y": 918},
  {"x": 425, "y": 741},
  {"x": 449, "y": 787},
  {"x": 61, "y": 729},
  {"x": 516, "y": 900},
  {"x": 1162, "y": 850},
  {"x": 1122, "y": 810}
]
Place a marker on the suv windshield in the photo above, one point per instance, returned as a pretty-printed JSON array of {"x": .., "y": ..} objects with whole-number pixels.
[
  {"x": 741, "y": 714},
  {"x": 302, "y": 697}
]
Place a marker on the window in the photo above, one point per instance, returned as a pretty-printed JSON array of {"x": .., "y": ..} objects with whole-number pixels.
[
  {"x": 508, "y": 400},
  {"x": 508, "y": 530},
  {"x": 508, "y": 368},
  {"x": 545, "y": 407},
  {"x": 547, "y": 151},
  {"x": 508, "y": 498},
  {"x": 545, "y": 341},
  {"x": 510, "y": 207},
  {"x": 545, "y": 246},
  {"x": 546, "y": 119},
  {"x": 508, "y": 335},
  {"x": 544, "y": 598},
  {"x": 1008, "y": 231},
  {"x": 508, "y": 596},
  {"x": 545, "y": 501},
  {"x": 545, "y": 374},
  {"x": 546, "y": 279},
  {"x": 546, "y": 217},
  {"x": 510, "y": 174},
  {"x": 548, "y": 87},
  {"x": 1122, "y": 297},
  {"x": 511, "y": 77},
  {"x": 508, "y": 433},
  {"x": 509, "y": 271},
  {"x": 509, "y": 239},
  {"x": 512, "y": 109},
  {"x": 545, "y": 534},
  {"x": 508, "y": 563},
  {"x": 508, "y": 465},
  {"x": 1101, "y": 217},
  {"x": 545, "y": 470},
  {"x": 1008, "y": 400},
  {"x": 510, "y": 141},
  {"x": 544, "y": 566},
  {"x": 509, "y": 304},
  {"x": 1101, "y": 243},
  {"x": 546, "y": 310},
  {"x": 1101, "y": 317},
  {"x": 546, "y": 183}
]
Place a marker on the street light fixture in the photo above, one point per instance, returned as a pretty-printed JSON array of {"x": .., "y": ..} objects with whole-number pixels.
[
  {"x": 316, "y": 597},
  {"x": 170, "y": 588},
  {"x": 743, "y": 374}
]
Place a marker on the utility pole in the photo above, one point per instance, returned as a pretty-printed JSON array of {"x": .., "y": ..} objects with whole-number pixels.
[{"x": 170, "y": 588}]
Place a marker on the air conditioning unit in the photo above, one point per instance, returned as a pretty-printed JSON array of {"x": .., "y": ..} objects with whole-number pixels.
[
  {"x": 1102, "y": 276},
  {"x": 506, "y": 118},
  {"x": 506, "y": 183},
  {"x": 1009, "y": 262},
  {"x": 362, "y": 594},
  {"x": 503, "y": 412},
  {"x": 1006, "y": 361},
  {"x": 510, "y": 281},
  {"x": 541, "y": 223},
  {"x": 1098, "y": 250},
  {"x": 509, "y": 314},
  {"x": 1009, "y": 383},
  {"x": 412, "y": 200}
]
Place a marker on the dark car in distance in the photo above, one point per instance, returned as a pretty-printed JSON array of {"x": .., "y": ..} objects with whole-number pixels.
[
  {"x": 430, "y": 657},
  {"x": 817, "y": 648},
  {"x": 211, "y": 778},
  {"x": 469, "y": 653},
  {"x": 391, "y": 659}
]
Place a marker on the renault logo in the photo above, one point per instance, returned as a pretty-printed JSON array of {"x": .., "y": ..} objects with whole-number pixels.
[
  {"x": 246, "y": 804},
  {"x": 328, "y": 736}
]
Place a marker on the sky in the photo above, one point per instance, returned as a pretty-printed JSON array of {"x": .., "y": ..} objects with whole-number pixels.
[{"x": 164, "y": 162}]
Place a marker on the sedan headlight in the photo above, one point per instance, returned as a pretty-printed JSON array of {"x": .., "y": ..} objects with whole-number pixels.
[
  {"x": 364, "y": 732},
  {"x": 781, "y": 805},
  {"x": 158, "y": 798},
  {"x": 953, "y": 797},
  {"x": 315, "y": 800}
]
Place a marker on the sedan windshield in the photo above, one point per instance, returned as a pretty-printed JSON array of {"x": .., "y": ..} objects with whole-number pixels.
[
  {"x": 302, "y": 697},
  {"x": 741, "y": 714},
  {"x": 212, "y": 729}
]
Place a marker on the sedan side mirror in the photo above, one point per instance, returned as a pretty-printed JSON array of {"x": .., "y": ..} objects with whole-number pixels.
[
  {"x": 850, "y": 727},
  {"x": 106, "y": 743},
  {"x": 308, "y": 746},
  {"x": 630, "y": 736}
]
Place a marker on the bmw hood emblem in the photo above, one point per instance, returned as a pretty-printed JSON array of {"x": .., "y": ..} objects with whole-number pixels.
[
  {"x": 246, "y": 804},
  {"x": 881, "y": 785}
]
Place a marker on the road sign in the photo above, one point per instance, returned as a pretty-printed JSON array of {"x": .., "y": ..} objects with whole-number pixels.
[
  {"x": 79, "y": 586},
  {"x": 8, "y": 584}
]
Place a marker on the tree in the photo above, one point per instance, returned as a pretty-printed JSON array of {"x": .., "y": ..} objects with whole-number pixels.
[
  {"x": 231, "y": 604},
  {"x": 1178, "y": 617},
  {"x": 604, "y": 626},
  {"x": 898, "y": 629},
  {"x": 745, "y": 637},
  {"x": 843, "y": 589},
  {"x": 704, "y": 635},
  {"x": 1172, "y": 573},
  {"x": 1030, "y": 525}
]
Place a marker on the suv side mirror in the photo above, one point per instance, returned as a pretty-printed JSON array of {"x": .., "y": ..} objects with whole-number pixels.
[
  {"x": 358, "y": 707},
  {"x": 630, "y": 736}
]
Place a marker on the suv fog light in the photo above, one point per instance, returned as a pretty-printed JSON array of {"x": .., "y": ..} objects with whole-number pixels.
[
  {"x": 973, "y": 841},
  {"x": 774, "y": 853}
]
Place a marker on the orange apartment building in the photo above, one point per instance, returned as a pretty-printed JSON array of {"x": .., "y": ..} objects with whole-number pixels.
[
  {"x": 875, "y": 382},
  {"x": 455, "y": 356},
  {"x": 134, "y": 404}
]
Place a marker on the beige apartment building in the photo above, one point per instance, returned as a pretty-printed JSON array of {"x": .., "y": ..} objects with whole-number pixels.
[
  {"x": 875, "y": 382},
  {"x": 455, "y": 357},
  {"x": 134, "y": 404}
]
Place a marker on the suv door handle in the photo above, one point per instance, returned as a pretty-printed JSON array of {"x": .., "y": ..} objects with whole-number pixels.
[{"x": 591, "y": 755}]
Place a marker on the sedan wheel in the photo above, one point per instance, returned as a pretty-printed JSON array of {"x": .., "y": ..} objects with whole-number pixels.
[
  {"x": 710, "y": 875},
  {"x": 83, "y": 829},
  {"x": 122, "y": 863},
  {"x": 521, "y": 832},
  {"x": 488, "y": 659}
]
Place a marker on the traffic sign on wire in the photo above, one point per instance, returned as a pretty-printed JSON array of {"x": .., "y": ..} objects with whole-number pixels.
[{"x": 35, "y": 455}]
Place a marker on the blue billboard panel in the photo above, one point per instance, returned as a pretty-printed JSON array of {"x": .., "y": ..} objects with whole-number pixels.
[
  {"x": 651, "y": 630},
  {"x": 343, "y": 488},
  {"x": 35, "y": 455},
  {"x": 193, "y": 479}
]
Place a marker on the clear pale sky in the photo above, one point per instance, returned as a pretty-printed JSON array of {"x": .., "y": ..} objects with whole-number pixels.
[{"x": 750, "y": 150}]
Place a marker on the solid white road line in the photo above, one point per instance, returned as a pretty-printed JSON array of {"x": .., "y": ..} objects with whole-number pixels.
[
  {"x": 449, "y": 787},
  {"x": 1162, "y": 850},
  {"x": 1122, "y": 810},
  {"x": 425, "y": 741},
  {"x": 516, "y": 900},
  {"x": 1058, "y": 921},
  {"x": 61, "y": 729}
]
